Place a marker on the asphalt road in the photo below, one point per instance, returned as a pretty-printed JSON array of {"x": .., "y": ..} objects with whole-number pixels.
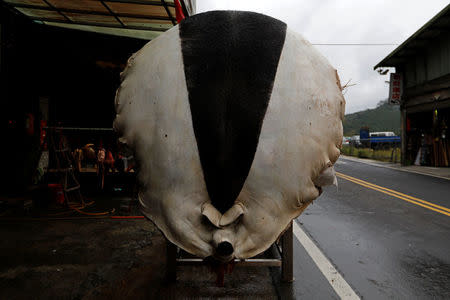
[{"x": 386, "y": 232}]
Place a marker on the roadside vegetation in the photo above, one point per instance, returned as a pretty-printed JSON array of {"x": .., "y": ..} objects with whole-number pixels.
[{"x": 387, "y": 155}]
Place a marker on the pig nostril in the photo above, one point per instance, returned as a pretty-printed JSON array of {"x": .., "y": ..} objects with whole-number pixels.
[{"x": 224, "y": 249}]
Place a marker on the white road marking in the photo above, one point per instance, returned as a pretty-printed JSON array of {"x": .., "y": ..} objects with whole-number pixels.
[
  {"x": 337, "y": 282},
  {"x": 393, "y": 168}
]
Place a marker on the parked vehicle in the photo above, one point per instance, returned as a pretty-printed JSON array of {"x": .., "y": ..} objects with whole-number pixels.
[
  {"x": 355, "y": 141},
  {"x": 381, "y": 134},
  {"x": 380, "y": 139},
  {"x": 346, "y": 140}
]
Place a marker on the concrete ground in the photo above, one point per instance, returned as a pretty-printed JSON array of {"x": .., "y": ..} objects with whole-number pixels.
[
  {"x": 80, "y": 257},
  {"x": 107, "y": 259},
  {"x": 74, "y": 259}
]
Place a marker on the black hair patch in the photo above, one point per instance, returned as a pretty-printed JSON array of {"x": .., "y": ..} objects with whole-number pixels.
[{"x": 230, "y": 61}]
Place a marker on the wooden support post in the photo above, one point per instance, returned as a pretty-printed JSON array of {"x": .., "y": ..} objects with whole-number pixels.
[
  {"x": 404, "y": 136},
  {"x": 287, "y": 256},
  {"x": 171, "y": 262}
]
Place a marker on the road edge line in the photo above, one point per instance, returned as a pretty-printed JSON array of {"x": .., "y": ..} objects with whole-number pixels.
[
  {"x": 334, "y": 278},
  {"x": 392, "y": 168}
]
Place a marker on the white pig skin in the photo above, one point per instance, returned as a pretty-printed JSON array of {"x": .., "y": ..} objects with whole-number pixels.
[{"x": 300, "y": 138}]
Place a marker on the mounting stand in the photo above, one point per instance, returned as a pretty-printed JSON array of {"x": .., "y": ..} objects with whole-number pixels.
[{"x": 285, "y": 260}]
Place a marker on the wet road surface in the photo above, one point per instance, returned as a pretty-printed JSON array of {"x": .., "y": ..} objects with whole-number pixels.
[{"x": 387, "y": 232}]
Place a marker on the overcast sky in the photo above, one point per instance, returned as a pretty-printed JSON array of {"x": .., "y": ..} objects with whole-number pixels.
[{"x": 347, "y": 21}]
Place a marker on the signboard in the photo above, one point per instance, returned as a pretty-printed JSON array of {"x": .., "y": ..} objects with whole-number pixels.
[{"x": 395, "y": 88}]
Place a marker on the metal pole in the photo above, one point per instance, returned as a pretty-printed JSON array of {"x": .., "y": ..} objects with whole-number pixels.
[
  {"x": 171, "y": 261},
  {"x": 287, "y": 270}
]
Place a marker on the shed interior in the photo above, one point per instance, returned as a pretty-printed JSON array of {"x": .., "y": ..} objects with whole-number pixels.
[{"x": 56, "y": 77}]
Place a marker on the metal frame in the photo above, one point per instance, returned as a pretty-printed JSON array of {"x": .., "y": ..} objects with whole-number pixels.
[
  {"x": 143, "y": 28},
  {"x": 53, "y": 8},
  {"x": 112, "y": 13},
  {"x": 285, "y": 260},
  {"x": 104, "y": 3},
  {"x": 174, "y": 22}
]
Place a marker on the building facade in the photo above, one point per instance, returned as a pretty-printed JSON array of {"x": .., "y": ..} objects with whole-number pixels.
[{"x": 423, "y": 64}]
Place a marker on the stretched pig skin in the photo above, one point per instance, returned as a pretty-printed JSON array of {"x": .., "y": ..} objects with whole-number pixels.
[{"x": 236, "y": 122}]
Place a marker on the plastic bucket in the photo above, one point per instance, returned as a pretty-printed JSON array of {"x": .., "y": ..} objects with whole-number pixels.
[{"x": 56, "y": 192}]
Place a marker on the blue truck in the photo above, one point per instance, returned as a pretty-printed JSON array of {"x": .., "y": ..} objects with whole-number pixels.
[{"x": 380, "y": 139}]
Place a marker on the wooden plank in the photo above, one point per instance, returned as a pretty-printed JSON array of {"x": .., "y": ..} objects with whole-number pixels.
[{"x": 404, "y": 134}]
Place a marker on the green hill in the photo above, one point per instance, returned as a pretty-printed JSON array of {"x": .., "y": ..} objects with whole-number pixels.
[{"x": 384, "y": 117}]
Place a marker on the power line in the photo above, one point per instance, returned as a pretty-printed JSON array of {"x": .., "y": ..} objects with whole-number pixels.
[{"x": 355, "y": 44}]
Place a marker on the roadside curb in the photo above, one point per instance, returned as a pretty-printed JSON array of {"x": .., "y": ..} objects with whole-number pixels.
[{"x": 442, "y": 173}]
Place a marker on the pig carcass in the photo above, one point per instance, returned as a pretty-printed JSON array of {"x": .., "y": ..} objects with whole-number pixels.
[{"x": 236, "y": 122}]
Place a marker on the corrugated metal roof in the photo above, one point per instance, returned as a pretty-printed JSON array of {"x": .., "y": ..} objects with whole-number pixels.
[
  {"x": 419, "y": 40},
  {"x": 144, "y": 19}
]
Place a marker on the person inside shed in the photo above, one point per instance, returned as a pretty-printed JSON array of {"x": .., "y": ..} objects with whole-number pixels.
[
  {"x": 109, "y": 161},
  {"x": 101, "y": 166}
]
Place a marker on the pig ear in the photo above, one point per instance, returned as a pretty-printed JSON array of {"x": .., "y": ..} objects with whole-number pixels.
[
  {"x": 232, "y": 214},
  {"x": 219, "y": 220},
  {"x": 210, "y": 212}
]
